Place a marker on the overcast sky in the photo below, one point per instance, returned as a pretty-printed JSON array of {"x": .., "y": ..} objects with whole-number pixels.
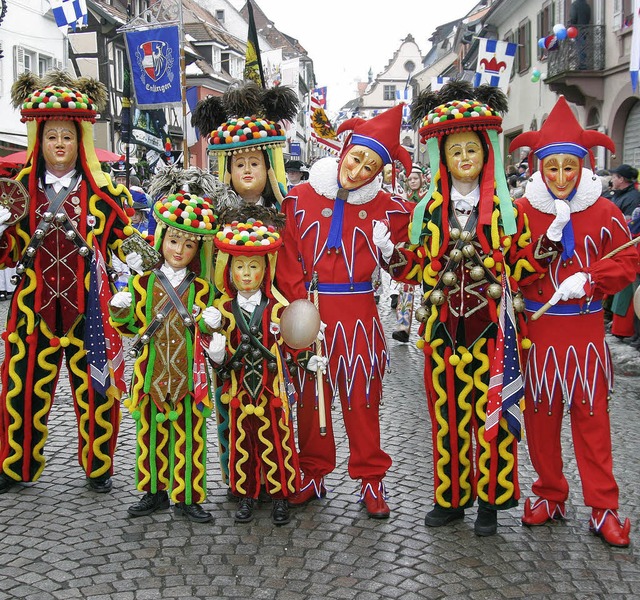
[{"x": 348, "y": 38}]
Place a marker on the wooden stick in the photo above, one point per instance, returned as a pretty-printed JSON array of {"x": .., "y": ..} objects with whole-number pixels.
[
  {"x": 322, "y": 413},
  {"x": 536, "y": 315}
]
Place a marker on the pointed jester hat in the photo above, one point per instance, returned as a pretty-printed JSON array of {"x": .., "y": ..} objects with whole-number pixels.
[
  {"x": 457, "y": 107},
  {"x": 246, "y": 118}
]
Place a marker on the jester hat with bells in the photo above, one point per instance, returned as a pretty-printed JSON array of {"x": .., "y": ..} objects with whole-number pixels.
[
  {"x": 455, "y": 108},
  {"x": 380, "y": 134},
  {"x": 246, "y": 118},
  {"x": 58, "y": 96},
  {"x": 251, "y": 230}
]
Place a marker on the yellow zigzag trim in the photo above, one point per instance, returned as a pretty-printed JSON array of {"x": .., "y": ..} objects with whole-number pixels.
[
  {"x": 463, "y": 432},
  {"x": 276, "y": 486},
  {"x": 179, "y": 484},
  {"x": 443, "y": 425}
]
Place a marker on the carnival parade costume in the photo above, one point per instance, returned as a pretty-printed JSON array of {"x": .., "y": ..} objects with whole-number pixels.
[
  {"x": 254, "y": 368},
  {"x": 467, "y": 263},
  {"x": 52, "y": 247},
  {"x": 166, "y": 308},
  {"x": 572, "y": 372},
  {"x": 328, "y": 233}
]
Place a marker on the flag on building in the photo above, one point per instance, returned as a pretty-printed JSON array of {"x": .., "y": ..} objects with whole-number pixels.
[
  {"x": 70, "y": 13},
  {"x": 506, "y": 387},
  {"x": 253, "y": 61},
  {"x": 438, "y": 82},
  {"x": 495, "y": 62},
  {"x": 320, "y": 96},
  {"x": 322, "y": 131},
  {"x": 154, "y": 58},
  {"x": 405, "y": 96},
  {"x": 634, "y": 59},
  {"x": 103, "y": 343}
]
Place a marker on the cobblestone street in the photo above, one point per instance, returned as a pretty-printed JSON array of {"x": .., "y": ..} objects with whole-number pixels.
[{"x": 60, "y": 540}]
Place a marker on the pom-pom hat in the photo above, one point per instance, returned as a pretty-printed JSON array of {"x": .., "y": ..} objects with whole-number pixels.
[
  {"x": 459, "y": 115},
  {"x": 55, "y": 102},
  {"x": 194, "y": 217},
  {"x": 561, "y": 134},
  {"x": 246, "y": 133},
  {"x": 250, "y": 237}
]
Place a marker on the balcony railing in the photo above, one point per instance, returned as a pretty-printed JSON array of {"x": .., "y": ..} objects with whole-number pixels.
[{"x": 584, "y": 53}]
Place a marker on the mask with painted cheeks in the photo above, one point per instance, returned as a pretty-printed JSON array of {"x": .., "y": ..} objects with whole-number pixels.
[
  {"x": 464, "y": 156},
  {"x": 358, "y": 167},
  {"x": 561, "y": 174},
  {"x": 247, "y": 273}
]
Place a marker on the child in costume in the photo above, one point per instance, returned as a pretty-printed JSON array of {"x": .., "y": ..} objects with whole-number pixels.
[
  {"x": 568, "y": 366},
  {"x": 169, "y": 308},
  {"x": 74, "y": 212},
  {"x": 253, "y": 363},
  {"x": 469, "y": 251}
]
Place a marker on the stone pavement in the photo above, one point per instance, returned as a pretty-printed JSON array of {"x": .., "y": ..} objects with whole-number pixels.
[{"x": 58, "y": 540}]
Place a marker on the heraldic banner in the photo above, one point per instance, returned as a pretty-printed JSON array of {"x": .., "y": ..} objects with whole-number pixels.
[{"x": 154, "y": 56}]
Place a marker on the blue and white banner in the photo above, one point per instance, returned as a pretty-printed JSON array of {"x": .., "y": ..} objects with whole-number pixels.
[
  {"x": 495, "y": 61},
  {"x": 438, "y": 82},
  {"x": 154, "y": 56},
  {"x": 69, "y": 13}
]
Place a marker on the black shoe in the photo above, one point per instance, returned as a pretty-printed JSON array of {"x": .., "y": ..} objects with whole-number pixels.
[
  {"x": 6, "y": 483},
  {"x": 486, "y": 522},
  {"x": 401, "y": 336},
  {"x": 101, "y": 485},
  {"x": 194, "y": 512},
  {"x": 244, "y": 514},
  {"x": 280, "y": 512},
  {"x": 438, "y": 516},
  {"x": 149, "y": 503},
  {"x": 394, "y": 301}
]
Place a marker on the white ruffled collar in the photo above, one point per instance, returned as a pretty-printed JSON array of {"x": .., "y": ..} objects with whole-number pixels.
[
  {"x": 323, "y": 178},
  {"x": 589, "y": 190}
]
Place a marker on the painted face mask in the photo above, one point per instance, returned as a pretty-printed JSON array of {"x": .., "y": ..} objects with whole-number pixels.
[{"x": 561, "y": 174}]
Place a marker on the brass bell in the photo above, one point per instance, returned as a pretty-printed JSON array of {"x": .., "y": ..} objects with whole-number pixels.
[
  {"x": 449, "y": 278},
  {"x": 38, "y": 234},
  {"x": 456, "y": 255},
  {"x": 494, "y": 291},
  {"x": 48, "y": 217},
  {"x": 437, "y": 297},
  {"x": 422, "y": 314},
  {"x": 454, "y": 233},
  {"x": 468, "y": 250},
  {"x": 476, "y": 273},
  {"x": 518, "y": 303},
  {"x": 466, "y": 236}
]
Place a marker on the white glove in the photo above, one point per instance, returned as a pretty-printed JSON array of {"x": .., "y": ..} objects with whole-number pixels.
[
  {"x": 5, "y": 215},
  {"x": 571, "y": 288},
  {"x": 323, "y": 326},
  {"x": 217, "y": 348},
  {"x": 382, "y": 239},
  {"x": 563, "y": 216},
  {"x": 212, "y": 317},
  {"x": 134, "y": 262},
  {"x": 121, "y": 300},
  {"x": 317, "y": 363}
]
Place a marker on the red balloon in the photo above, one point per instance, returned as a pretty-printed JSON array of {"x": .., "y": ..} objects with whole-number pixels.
[{"x": 572, "y": 32}]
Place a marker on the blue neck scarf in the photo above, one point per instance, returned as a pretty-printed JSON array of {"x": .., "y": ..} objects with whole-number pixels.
[{"x": 335, "y": 230}]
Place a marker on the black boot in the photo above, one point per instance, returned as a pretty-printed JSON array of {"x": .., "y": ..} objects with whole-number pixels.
[
  {"x": 101, "y": 485},
  {"x": 244, "y": 514},
  {"x": 394, "y": 301},
  {"x": 280, "y": 512},
  {"x": 438, "y": 516},
  {"x": 149, "y": 503},
  {"x": 6, "y": 483},
  {"x": 194, "y": 512},
  {"x": 486, "y": 522}
]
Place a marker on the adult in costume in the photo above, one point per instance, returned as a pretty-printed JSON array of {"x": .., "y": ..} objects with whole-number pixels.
[
  {"x": 246, "y": 134},
  {"x": 469, "y": 250},
  {"x": 73, "y": 208},
  {"x": 328, "y": 231},
  {"x": 253, "y": 364},
  {"x": 168, "y": 308},
  {"x": 572, "y": 371}
]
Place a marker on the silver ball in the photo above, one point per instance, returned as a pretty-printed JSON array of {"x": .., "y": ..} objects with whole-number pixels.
[
  {"x": 70, "y": 234},
  {"x": 494, "y": 291},
  {"x": 38, "y": 234},
  {"x": 454, "y": 233},
  {"x": 456, "y": 255},
  {"x": 468, "y": 250},
  {"x": 60, "y": 217},
  {"x": 188, "y": 321},
  {"x": 422, "y": 314},
  {"x": 15, "y": 280},
  {"x": 48, "y": 217},
  {"x": 437, "y": 297},
  {"x": 449, "y": 278},
  {"x": 84, "y": 251},
  {"x": 476, "y": 273},
  {"x": 133, "y": 353},
  {"x": 30, "y": 251},
  {"x": 145, "y": 339},
  {"x": 518, "y": 303},
  {"x": 20, "y": 269},
  {"x": 160, "y": 317}
]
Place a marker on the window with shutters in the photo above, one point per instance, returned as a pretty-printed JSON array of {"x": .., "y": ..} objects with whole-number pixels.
[
  {"x": 545, "y": 22},
  {"x": 524, "y": 46},
  {"x": 389, "y": 92},
  {"x": 119, "y": 66}
]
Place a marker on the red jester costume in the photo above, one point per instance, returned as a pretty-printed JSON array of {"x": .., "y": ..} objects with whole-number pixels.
[
  {"x": 329, "y": 225},
  {"x": 73, "y": 208},
  {"x": 572, "y": 371}
]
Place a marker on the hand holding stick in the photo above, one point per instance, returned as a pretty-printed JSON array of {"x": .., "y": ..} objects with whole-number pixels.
[{"x": 322, "y": 415}]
